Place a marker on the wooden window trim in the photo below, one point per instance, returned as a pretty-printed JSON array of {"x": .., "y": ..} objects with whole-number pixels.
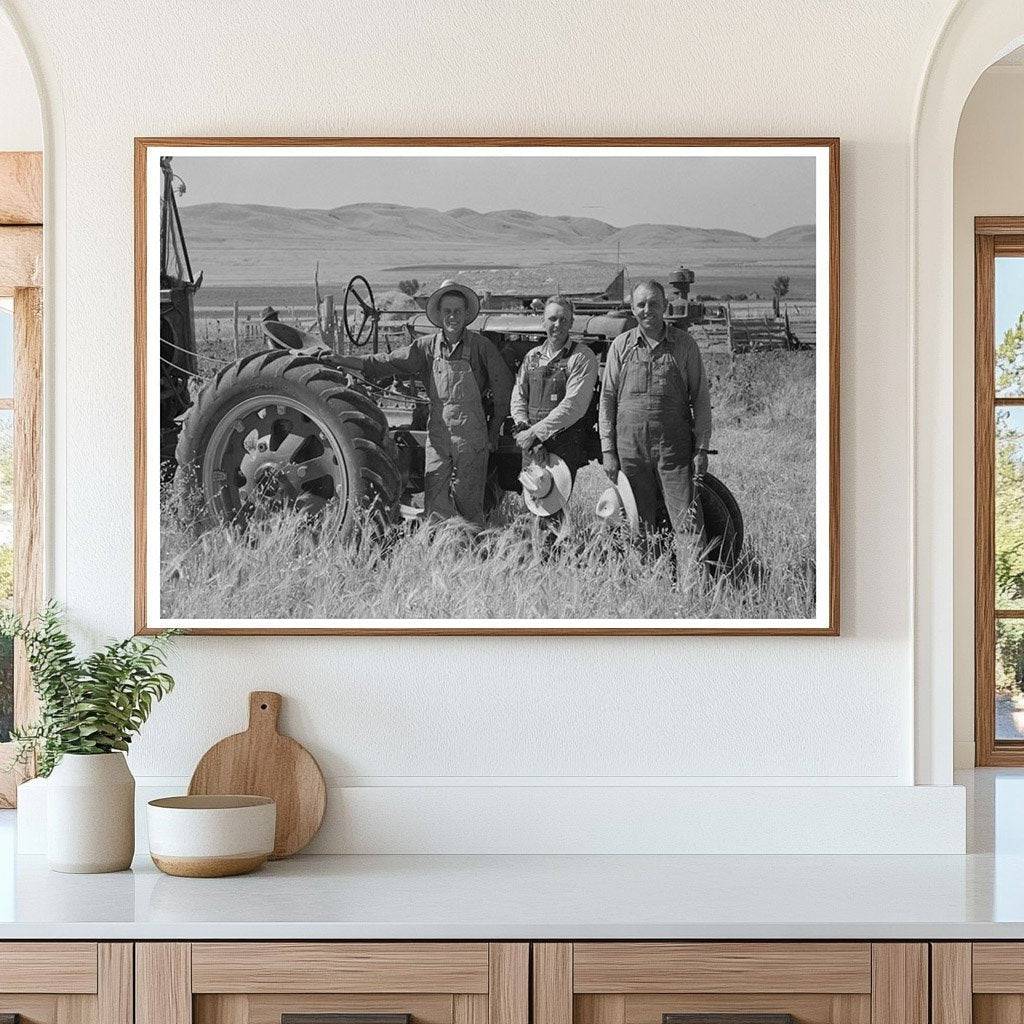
[
  {"x": 993, "y": 236},
  {"x": 21, "y": 257}
]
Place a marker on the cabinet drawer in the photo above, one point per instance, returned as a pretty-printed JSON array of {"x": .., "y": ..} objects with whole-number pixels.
[
  {"x": 263, "y": 982},
  {"x": 634, "y": 967},
  {"x": 737, "y": 982},
  {"x": 998, "y": 967},
  {"x": 66, "y": 982},
  {"x": 270, "y": 1009},
  {"x": 340, "y": 967},
  {"x": 48, "y": 967}
]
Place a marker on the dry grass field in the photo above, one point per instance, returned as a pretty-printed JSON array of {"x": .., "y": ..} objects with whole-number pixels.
[{"x": 764, "y": 431}]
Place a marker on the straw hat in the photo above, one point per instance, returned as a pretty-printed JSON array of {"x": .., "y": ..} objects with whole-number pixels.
[
  {"x": 546, "y": 487},
  {"x": 471, "y": 297},
  {"x": 617, "y": 503}
]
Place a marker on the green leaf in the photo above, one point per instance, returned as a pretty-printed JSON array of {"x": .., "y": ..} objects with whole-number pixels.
[{"x": 89, "y": 705}]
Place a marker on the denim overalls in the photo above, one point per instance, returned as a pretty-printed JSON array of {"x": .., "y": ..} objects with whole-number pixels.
[
  {"x": 457, "y": 450},
  {"x": 545, "y": 389},
  {"x": 654, "y": 433}
]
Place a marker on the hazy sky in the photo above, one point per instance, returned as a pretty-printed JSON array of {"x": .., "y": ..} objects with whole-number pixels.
[
  {"x": 757, "y": 195},
  {"x": 1009, "y": 293}
]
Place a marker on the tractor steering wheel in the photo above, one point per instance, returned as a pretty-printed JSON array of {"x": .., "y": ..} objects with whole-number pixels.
[{"x": 364, "y": 312}]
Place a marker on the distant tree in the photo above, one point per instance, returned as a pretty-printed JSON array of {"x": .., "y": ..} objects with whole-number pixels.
[
  {"x": 1009, "y": 466},
  {"x": 410, "y": 287},
  {"x": 1010, "y": 361},
  {"x": 780, "y": 287},
  {"x": 1009, "y": 511}
]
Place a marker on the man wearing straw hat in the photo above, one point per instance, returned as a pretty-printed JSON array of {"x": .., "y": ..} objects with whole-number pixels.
[
  {"x": 457, "y": 366},
  {"x": 655, "y": 414},
  {"x": 552, "y": 394}
]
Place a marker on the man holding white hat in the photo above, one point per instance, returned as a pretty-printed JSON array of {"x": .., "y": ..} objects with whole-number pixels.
[
  {"x": 655, "y": 414},
  {"x": 457, "y": 366},
  {"x": 553, "y": 391},
  {"x": 547, "y": 485}
]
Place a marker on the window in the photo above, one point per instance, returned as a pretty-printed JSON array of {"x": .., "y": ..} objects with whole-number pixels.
[
  {"x": 999, "y": 490},
  {"x": 6, "y": 510},
  {"x": 21, "y": 366}
]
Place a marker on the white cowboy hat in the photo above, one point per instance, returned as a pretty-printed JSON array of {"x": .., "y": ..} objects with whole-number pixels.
[
  {"x": 471, "y": 297},
  {"x": 546, "y": 487},
  {"x": 617, "y": 502}
]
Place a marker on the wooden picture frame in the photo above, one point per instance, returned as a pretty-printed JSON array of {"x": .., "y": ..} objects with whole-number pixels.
[{"x": 148, "y": 613}]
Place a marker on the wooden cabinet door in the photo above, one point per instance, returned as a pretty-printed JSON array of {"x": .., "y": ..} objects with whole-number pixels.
[
  {"x": 979, "y": 982},
  {"x": 737, "y": 982},
  {"x": 313, "y": 982},
  {"x": 66, "y": 982}
]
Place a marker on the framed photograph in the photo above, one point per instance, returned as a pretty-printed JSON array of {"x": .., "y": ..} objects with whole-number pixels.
[{"x": 487, "y": 386}]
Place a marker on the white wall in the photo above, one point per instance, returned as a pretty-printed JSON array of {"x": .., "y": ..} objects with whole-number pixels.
[
  {"x": 21, "y": 125},
  {"x": 988, "y": 181},
  {"x": 446, "y": 712}
]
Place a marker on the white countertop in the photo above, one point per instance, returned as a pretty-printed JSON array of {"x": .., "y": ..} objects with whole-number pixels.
[
  {"x": 532, "y": 897},
  {"x": 977, "y": 896}
]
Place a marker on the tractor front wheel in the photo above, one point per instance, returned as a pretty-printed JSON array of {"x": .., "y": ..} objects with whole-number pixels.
[{"x": 277, "y": 431}]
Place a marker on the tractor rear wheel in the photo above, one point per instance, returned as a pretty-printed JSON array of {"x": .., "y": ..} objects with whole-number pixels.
[
  {"x": 277, "y": 431},
  {"x": 723, "y": 522}
]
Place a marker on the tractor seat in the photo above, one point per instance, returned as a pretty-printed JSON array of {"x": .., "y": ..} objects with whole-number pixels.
[{"x": 285, "y": 336}]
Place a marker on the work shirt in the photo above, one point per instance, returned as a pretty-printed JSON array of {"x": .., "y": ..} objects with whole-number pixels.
[
  {"x": 691, "y": 368},
  {"x": 415, "y": 360},
  {"x": 581, "y": 379}
]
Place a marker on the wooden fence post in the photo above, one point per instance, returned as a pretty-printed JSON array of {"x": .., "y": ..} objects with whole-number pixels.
[{"x": 330, "y": 327}]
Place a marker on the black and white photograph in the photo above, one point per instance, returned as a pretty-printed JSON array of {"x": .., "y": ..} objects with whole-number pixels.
[{"x": 467, "y": 386}]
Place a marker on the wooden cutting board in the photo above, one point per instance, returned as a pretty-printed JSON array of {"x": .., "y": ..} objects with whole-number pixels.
[{"x": 262, "y": 762}]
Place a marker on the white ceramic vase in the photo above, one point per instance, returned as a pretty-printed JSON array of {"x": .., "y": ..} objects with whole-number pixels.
[{"x": 90, "y": 814}]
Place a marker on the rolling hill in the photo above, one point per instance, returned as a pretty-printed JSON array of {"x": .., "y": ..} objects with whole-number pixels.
[{"x": 253, "y": 244}]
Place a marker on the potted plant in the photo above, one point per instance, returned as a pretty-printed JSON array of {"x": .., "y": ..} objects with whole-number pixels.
[{"x": 89, "y": 709}]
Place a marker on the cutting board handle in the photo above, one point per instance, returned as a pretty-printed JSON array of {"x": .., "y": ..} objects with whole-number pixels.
[{"x": 264, "y": 710}]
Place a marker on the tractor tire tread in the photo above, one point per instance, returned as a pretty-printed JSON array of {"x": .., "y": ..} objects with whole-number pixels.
[
  {"x": 350, "y": 412},
  {"x": 364, "y": 405},
  {"x": 361, "y": 420},
  {"x": 363, "y": 423},
  {"x": 376, "y": 461}
]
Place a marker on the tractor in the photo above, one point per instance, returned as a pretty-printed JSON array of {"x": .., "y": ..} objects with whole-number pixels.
[
  {"x": 178, "y": 285},
  {"x": 287, "y": 427}
]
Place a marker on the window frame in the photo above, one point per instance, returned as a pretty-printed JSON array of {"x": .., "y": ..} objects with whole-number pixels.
[
  {"x": 993, "y": 237},
  {"x": 21, "y": 253}
]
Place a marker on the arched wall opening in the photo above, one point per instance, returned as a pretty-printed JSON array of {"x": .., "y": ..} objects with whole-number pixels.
[
  {"x": 21, "y": 136},
  {"x": 33, "y": 120},
  {"x": 975, "y": 35},
  {"x": 987, "y": 181}
]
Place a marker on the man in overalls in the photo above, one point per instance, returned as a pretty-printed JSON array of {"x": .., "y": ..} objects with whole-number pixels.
[
  {"x": 655, "y": 414},
  {"x": 552, "y": 394},
  {"x": 457, "y": 366}
]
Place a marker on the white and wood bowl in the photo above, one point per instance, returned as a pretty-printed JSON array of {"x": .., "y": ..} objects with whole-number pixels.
[{"x": 211, "y": 836}]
